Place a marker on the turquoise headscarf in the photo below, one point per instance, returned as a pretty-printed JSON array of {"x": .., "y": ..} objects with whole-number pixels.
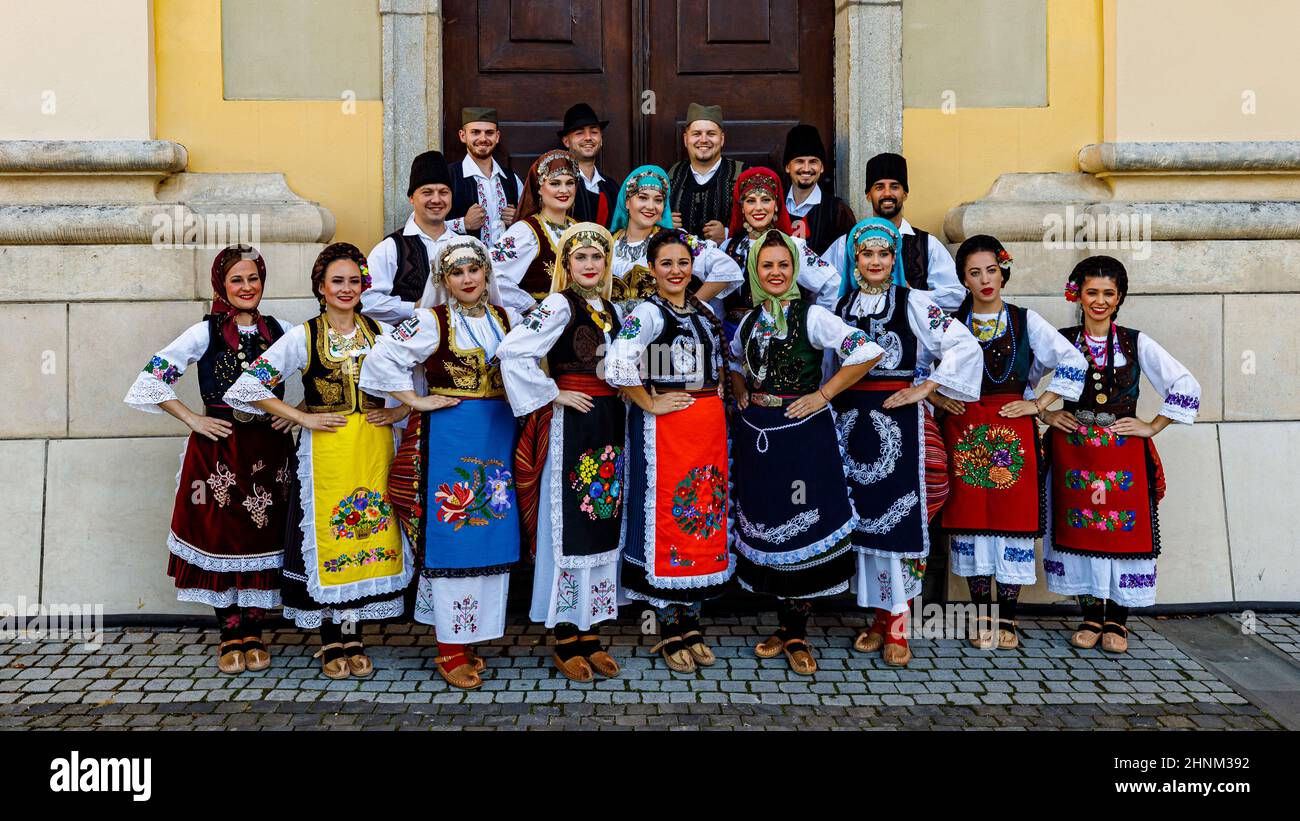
[
  {"x": 647, "y": 176},
  {"x": 868, "y": 229},
  {"x": 761, "y": 297}
]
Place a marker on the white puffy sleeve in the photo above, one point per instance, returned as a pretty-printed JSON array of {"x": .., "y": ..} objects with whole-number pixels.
[
  {"x": 378, "y": 301},
  {"x": 1171, "y": 379},
  {"x": 960, "y": 369},
  {"x": 527, "y": 386},
  {"x": 827, "y": 332},
  {"x": 153, "y": 385},
  {"x": 511, "y": 256},
  {"x": 941, "y": 275},
  {"x": 716, "y": 266},
  {"x": 834, "y": 255},
  {"x": 736, "y": 352},
  {"x": 288, "y": 354},
  {"x": 640, "y": 328},
  {"x": 1054, "y": 354},
  {"x": 818, "y": 275},
  {"x": 391, "y": 364}
]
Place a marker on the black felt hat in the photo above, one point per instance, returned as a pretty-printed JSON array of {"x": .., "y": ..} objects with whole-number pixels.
[
  {"x": 803, "y": 141},
  {"x": 580, "y": 116},
  {"x": 887, "y": 167}
]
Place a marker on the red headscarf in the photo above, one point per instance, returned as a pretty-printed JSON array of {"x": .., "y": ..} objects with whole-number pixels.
[
  {"x": 221, "y": 306},
  {"x": 749, "y": 180}
]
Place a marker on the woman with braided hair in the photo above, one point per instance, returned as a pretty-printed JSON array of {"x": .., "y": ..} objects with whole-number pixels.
[
  {"x": 668, "y": 360},
  {"x": 569, "y": 466},
  {"x": 345, "y": 561}
]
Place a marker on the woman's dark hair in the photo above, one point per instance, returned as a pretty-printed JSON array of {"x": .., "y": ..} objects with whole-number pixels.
[
  {"x": 774, "y": 239},
  {"x": 973, "y": 245},
  {"x": 1106, "y": 268},
  {"x": 662, "y": 239}
]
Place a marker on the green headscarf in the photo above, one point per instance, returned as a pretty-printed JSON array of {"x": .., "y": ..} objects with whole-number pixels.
[{"x": 762, "y": 297}]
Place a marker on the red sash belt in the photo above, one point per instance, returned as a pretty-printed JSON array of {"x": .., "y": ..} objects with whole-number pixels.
[{"x": 585, "y": 383}]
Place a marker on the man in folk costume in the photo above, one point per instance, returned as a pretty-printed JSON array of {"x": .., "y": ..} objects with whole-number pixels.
[
  {"x": 815, "y": 214},
  {"x": 484, "y": 197},
  {"x": 702, "y": 184},
  {"x": 927, "y": 265},
  {"x": 400, "y": 263},
  {"x": 584, "y": 135}
]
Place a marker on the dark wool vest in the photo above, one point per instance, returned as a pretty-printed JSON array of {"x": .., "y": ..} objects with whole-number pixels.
[
  {"x": 998, "y": 353},
  {"x": 685, "y": 340},
  {"x": 891, "y": 330},
  {"x": 916, "y": 259},
  {"x": 699, "y": 204},
  {"x": 1121, "y": 388},
  {"x": 412, "y": 266},
  {"x": 464, "y": 192},
  {"x": 794, "y": 365},
  {"x": 537, "y": 279},
  {"x": 578, "y": 350}
]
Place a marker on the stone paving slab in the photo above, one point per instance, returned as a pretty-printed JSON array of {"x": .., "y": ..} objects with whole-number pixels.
[
  {"x": 1282, "y": 631},
  {"x": 167, "y": 679}
]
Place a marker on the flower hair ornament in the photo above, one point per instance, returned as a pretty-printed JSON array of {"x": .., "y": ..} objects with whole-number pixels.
[
  {"x": 366, "y": 281},
  {"x": 1071, "y": 291},
  {"x": 1004, "y": 259},
  {"x": 691, "y": 242}
]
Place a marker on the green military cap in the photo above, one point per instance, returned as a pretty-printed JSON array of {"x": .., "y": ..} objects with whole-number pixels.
[
  {"x": 712, "y": 113},
  {"x": 474, "y": 114}
]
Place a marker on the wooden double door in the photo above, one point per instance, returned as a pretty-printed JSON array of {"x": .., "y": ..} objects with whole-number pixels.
[{"x": 639, "y": 63}]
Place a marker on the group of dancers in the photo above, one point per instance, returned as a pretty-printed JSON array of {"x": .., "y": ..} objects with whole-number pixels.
[{"x": 642, "y": 416}]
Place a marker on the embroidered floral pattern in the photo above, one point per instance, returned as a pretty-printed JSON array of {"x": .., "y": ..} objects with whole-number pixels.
[
  {"x": 1183, "y": 400},
  {"x": 852, "y": 342},
  {"x": 1069, "y": 374},
  {"x": 1093, "y": 436},
  {"x": 1018, "y": 554},
  {"x": 1110, "y": 480},
  {"x": 1055, "y": 568},
  {"x": 675, "y": 558},
  {"x": 631, "y": 328},
  {"x": 778, "y": 534},
  {"x": 406, "y": 330},
  {"x": 220, "y": 482},
  {"x": 464, "y": 615},
  {"x": 163, "y": 370},
  {"x": 485, "y": 494},
  {"x": 504, "y": 249},
  {"x": 282, "y": 475},
  {"x": 1089, "y": 519},
  {"x": 256, "y": 505},
  {"x": 567, "y": 593},
  {"x": 597, "y": 477},
  {"x": 886, "y": 588},
  {"x": 602, "y": 599},
  {"x": 360, "y": 558},
  {"x": 265, "y": 372},
  {"x": 963, "y": 548},
  {"x": 914, "y": 568},
  {"x": 1133, "y": 580},
  {"x": 357, "y": 516},
  {"x": 989, "y": 456},
  {"x": 938, "y": 319},
  {"x": 536, "y": 317},
  {"x": 700, "y": 502}
]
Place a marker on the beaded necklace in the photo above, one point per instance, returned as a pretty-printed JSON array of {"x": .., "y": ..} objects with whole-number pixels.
[{"x": 1011, "y": 363}]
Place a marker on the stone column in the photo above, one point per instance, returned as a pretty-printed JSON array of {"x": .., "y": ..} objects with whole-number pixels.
[
  {"x": 412, "y": 31},
  {"x": 868, "y": 90}
]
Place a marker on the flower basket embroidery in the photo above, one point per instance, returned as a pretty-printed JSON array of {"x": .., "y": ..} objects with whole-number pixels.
[
  {"x": 700, "y": 502},
  {"x": 485, "y": 494},
  {"x": 597, "y": 477},
  {"x": 989, "y": 456},
  {"x": 361, "y": 514}
]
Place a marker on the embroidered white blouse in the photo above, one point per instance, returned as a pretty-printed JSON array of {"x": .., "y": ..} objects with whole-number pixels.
[
  {"x": 287, "y": 355},
  {"x": 378, "y": 301},
  {"x": 825, "y": 331},
  {"x": 395, "y": 361},
  {"x": 939, "y": 337},
  {"x": 640, "y": 328},
  {"x": 527, "y": 386},
  {"x": 1053, "y": 353},
  {"x": 511, "y": 256},
  {"x": 1171, "y": 379},
  {"x": 153, "y": 385}
]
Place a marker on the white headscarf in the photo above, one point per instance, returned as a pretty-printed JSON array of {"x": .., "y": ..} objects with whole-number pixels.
[{"x": 454, "y": 253}]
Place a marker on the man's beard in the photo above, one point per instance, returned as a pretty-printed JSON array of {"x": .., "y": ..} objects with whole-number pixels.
[
  {"x": 480, "y": 152},
  {"x": 810, "y": 186},
  {"x": 897, "y": 209}
]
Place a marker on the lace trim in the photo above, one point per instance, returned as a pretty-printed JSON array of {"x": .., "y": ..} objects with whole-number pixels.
[
  {"x": 801, "y": 555},
  {"x": 1178, "y": 413},
  {"x": 831, "y": 591},
  {"x": 245, "y": 392},
  {"x": 344, "y": 592},
  {"x": 622, "y": 373},
  {"x": 230, "y": 598},
  {"x": 147, "y": 392},
  {"x": 555, "y": 463},
  {"x": 192, "y": 555},
  {"x": 385, "y": 387},
  {"x": 312, "y": 619},
  {"x": 891, "y": 447}
]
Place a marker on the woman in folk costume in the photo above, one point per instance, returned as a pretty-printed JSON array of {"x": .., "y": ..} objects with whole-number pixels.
[
  {"x": 452, "y": 482},
  {"x": 996, "y": 505},
  {"x": 344, "y": 557},
  {"x": 525, "y": 258},
  {"x": 640, "y": 213},
  {"x": 1106, "y": 478},
  {"x": 226, "y": 542},
  {"x": 668, "y": 361},
  {"x": 757, "y": 206},
  {"x": 569, "y": 465},
  {"x": 793, "y": 513},
  {"x": 892, "y": 449}
]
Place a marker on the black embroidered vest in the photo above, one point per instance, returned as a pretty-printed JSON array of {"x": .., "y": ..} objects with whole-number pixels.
[
  {"x": 997, "y": 353},
  {"x": 330, "y": 383},
  {"x": 412, "y": 266},
  {"x": 699, "y": 204},
  {"x": 890, "y": 329},
  {"x": 1118, "y": 384},
  {"x": 221, "y": 365},
  {"x": 579, "y": 350},
  {"x": 458, "y": 368},
  {"x": 794, "y": 365},
  {"x": 916, "y": 259},
  {"x": 687, "y": 353}
]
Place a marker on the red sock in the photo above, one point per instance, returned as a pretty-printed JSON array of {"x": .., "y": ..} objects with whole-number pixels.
[
  {"x": 897, "y": 631},
  {"x": 450, "y": 650},
  {"x": 880, "y": 623}
]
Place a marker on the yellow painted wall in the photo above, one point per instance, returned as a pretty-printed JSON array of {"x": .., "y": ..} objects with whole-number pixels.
[
  {"x": 327, "y": 155},
  {"x": 954, "y": 158}
]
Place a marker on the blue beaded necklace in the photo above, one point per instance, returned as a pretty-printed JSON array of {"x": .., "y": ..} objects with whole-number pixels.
[
  {"x": 1011, "y": 363},
  {"x": 469, "y": 330}
]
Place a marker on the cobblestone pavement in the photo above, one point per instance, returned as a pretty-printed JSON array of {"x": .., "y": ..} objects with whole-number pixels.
[
  {"x": 1283, "y": 632},
  {"x": 167, "y": 679}
]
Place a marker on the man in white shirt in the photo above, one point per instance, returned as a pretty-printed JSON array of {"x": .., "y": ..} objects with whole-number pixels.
[
  {"x": 703, "y": 184},
  {"x": 400, "y": 263},
  {"x": 817, "y": 217},
  {"x": 484, "y": 197},
  {"x": 927, "y": 265},
  {"x": 584, "y": 135}
]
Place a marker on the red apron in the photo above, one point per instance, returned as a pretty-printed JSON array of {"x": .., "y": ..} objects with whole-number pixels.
[{"x": 993, "y": 467}]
